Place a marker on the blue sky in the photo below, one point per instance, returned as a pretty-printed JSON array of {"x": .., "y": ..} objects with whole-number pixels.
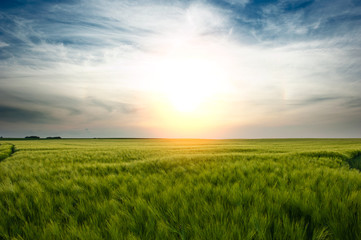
[{"x": 207, "y": 69}]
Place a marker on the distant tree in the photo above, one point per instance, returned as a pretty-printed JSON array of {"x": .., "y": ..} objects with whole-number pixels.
[
  {"x": 32, "y": 137},
  {"x": 54, "y": 137}
]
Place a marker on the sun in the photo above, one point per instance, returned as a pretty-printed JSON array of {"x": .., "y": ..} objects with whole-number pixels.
[{"x": 190, "y": 82}]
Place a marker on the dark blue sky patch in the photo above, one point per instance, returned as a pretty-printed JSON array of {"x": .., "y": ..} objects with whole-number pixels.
[
  {"x": 12, "y": 4},
  {"x": 296, "y": 6},
  {"x": 345, "y": 18},
  {"x": 356, "y": 3},
  {"x": 262, "y": 2}
]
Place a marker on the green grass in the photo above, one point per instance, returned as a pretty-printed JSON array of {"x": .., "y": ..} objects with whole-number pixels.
[
  {"x": 6, "y": 150},
  {"x": 180, "y": 189}
]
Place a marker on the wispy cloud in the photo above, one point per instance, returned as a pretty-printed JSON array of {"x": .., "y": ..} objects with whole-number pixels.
[{"x": 3, "y": 44}]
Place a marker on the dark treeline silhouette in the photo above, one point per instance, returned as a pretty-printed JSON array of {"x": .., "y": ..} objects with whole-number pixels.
[
  {"x": 54, "y": 137},
  {"x": 32, "y": 137}
]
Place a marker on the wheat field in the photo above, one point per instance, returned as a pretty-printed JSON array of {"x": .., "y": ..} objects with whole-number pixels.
[{"x": 180, "y": 189}]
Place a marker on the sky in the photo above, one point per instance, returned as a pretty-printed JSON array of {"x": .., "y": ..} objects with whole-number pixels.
[{"x": 180, "y": 69}]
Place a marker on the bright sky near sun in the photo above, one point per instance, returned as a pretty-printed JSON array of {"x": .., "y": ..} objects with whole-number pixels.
[{"x": 204, "y": 69}]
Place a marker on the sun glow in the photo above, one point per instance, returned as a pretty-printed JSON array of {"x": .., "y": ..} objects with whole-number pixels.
[
  {"x": 190, "y": 89},
  {"x": 188, "y": 79},
  {"x": 189, "y": 82}
]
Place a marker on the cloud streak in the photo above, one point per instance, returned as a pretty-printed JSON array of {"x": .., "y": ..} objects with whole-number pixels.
[{"x": 12, "y": 114}]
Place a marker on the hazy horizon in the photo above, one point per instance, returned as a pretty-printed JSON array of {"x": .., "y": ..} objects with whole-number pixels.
[{"x": 218, "y": 69}]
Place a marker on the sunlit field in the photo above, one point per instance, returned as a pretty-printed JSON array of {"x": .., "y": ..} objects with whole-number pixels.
[{"x": 180, "y": 189}]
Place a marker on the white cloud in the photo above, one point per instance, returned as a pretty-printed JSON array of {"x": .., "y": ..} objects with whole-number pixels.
[{"x": 3, "y": 44}]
